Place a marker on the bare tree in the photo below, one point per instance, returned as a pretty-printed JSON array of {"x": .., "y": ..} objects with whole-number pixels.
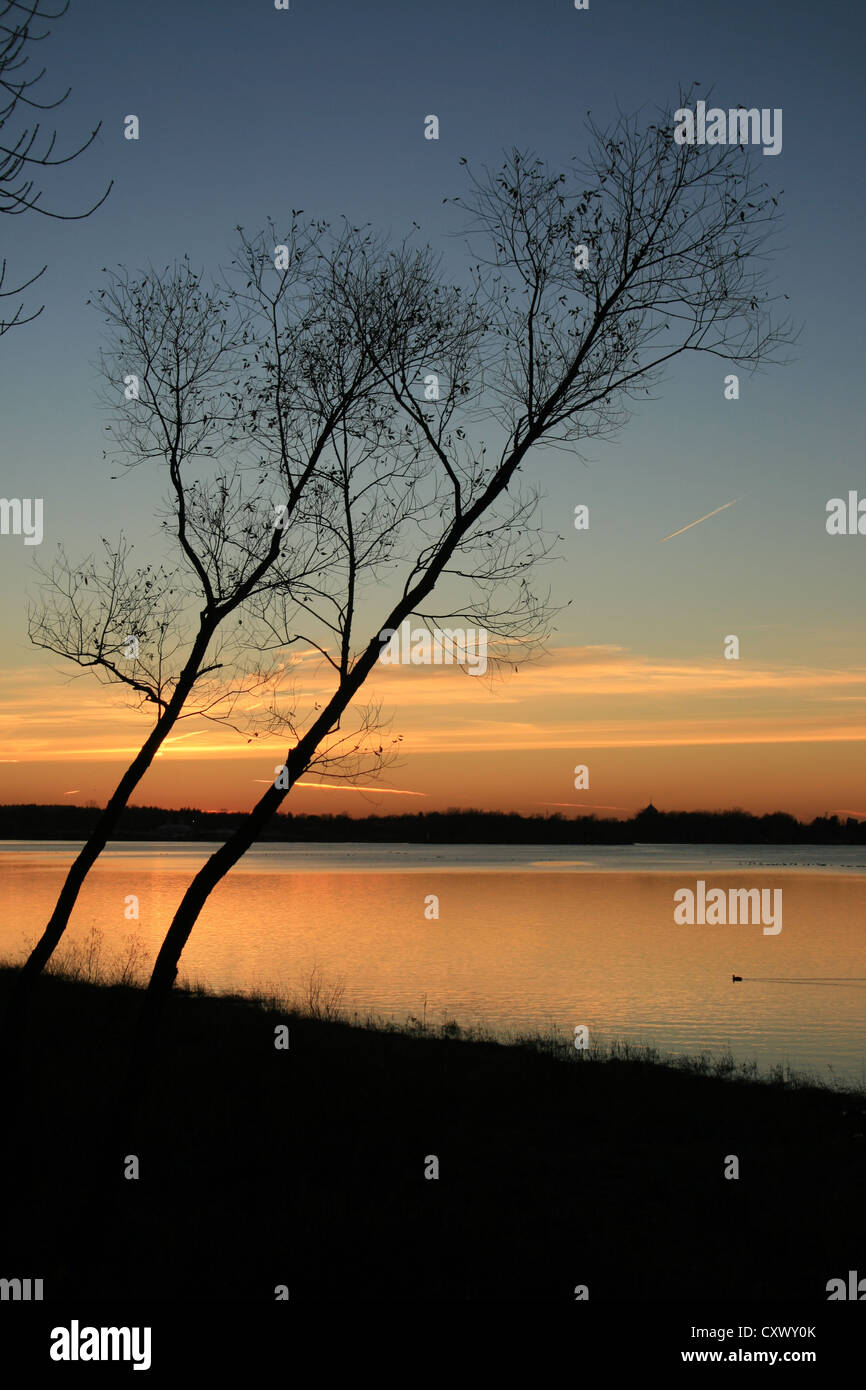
[
  {"x": 29, "y": 149},
  {"x": 585, "y": 285},
  {"x": 253, "y": 397}
]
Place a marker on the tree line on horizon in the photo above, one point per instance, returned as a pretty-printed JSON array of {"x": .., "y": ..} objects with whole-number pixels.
[{"x": 452, "y": 826}]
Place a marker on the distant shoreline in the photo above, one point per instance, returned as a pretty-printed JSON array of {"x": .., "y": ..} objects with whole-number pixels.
[{"x": 732, "y": 827}]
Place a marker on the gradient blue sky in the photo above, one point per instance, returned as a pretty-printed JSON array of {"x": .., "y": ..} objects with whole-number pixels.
[{"x": 247, "y": 112}]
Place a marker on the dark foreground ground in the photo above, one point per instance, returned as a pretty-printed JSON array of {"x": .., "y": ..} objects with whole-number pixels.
[{"x": 306, "y": 1167}]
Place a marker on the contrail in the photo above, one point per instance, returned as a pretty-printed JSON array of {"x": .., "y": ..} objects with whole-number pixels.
[{"x": 700, "y": 519}]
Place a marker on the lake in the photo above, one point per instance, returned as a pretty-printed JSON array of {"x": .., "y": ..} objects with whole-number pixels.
[{"x": 527, "y": 937}]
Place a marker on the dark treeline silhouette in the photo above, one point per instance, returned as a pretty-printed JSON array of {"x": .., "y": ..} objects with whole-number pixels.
[{"x": 444, "y": 827}]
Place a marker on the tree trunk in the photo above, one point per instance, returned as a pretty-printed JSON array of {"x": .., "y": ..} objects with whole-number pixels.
[
  {"x": 223, "y": 859},
  {"x": 165, "y": 966},
  {"x": 14, "y": 1021}
]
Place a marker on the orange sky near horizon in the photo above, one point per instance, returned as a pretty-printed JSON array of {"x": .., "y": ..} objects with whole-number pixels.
[{"x": 687, "y": 733}]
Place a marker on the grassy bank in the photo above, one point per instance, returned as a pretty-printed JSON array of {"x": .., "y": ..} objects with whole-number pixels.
[{"x": 305, "y": 1167}]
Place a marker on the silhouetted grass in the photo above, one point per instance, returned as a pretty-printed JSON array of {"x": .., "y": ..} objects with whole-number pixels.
[{"x": 306, "y": 1167}]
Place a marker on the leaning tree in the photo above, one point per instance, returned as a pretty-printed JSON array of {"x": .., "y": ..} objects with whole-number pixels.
[
  {"x": 249, "y": 396},
  {"x": 585, "y": 284}
]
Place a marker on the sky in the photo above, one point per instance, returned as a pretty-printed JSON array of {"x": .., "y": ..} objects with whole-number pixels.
[{"x": 247, "y": 112}]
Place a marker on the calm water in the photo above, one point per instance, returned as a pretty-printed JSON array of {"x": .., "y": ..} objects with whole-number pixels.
[{"x": 527, "y": 936}]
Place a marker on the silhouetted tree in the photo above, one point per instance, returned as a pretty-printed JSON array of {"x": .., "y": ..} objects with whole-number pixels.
[
  {"x": 264, "y": 386},
  {"x": 674, "y": 239},
  {"x": 29, "y": 149}
]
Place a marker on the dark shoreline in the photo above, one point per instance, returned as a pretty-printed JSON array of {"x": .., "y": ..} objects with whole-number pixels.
[
  {"x": 305, "y": 1167},
  {"x": 65, "y": 822}
]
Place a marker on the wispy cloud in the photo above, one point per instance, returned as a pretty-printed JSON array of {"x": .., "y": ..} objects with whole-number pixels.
[
  {"x": 571, "y": 698},
  {"x": 345, "y": 787}
]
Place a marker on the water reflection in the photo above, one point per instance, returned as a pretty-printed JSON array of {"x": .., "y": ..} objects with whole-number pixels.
[{"x": 511, "y": 949}]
